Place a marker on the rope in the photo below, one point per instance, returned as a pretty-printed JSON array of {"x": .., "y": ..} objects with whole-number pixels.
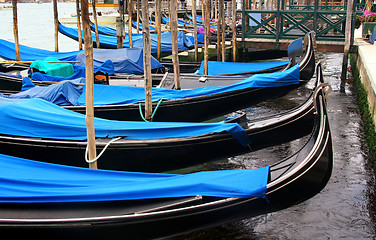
[
  {"x": 101, "y": 153},
  {"x": 154, "y": 112}
]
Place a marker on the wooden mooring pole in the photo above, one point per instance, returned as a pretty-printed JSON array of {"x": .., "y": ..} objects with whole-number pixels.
[
  {"x": 194, "y": 16},
  {"x": 15, "y": 30},
  {"x": 147, "y": 59},
  {"x": 158, "y": 13},
  {"x": 96, "y": 24},
  {"x": 130, "y": 10},
  {"x": 219, "y": 30},
  {"x": 174, "y": 37},
  {"x": 207, "y": 35},
  {"x": 233, "y": 30},
  {"x": 78, "y": 13},
  {"x": 92, "y": 152},
  {"x": 349, "y": 14},
  {"x": 56, "y": 20}
]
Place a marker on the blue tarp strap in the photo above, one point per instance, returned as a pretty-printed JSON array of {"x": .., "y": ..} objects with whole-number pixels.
[{"x": 152, "y": 115}]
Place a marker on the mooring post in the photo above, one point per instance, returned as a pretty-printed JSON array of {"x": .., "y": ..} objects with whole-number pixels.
[
  {"x": 207, "y": 35},
  {"x": 194, "y": 16},
  {"x": 92, "y": 152},
  {"x": 158, "y": 13},
  {"x": 15, "y": 30},
  {"x": 96, "y": 24},
  {"x": 349, "y": 13},
  {"x": 130, "y": 10},
  {"x": 219, "y": 31},
  {"x": 174, "y": 36},
  {"x": 78, "y": 13},
  {"x": 233, "y": 30},
  {"x": 56, "y": 20},
  {"x": 147, "y": 59},
  {"x": 223, "y": 31}
]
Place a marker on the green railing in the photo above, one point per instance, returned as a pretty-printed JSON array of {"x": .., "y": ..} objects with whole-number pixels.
[{"x": 292, "y": 21}]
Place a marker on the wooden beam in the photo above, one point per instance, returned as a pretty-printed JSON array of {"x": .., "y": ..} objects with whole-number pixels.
[
  {"x": 78, "y": 12},
  {"x": 194, "y": 16},
  {"x": 219, "y": 30},
  {"x": 89, "y": 84},
  {"x": 174, "y": 37},
  {"x": 96, "y": 24},
  {"x": 158, "y": 13},
  {"x": 223, "y": 31},
  {"x": 147, "y": 59},
  {"x": 56, "y": 20},
  {"x": 207, "y": 35},
  {"x": 15, "y": 30},
  {"x": 233, "y": 30},
  {"x": 130, "y": 10}
]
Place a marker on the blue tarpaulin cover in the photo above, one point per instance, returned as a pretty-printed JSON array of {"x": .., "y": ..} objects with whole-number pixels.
[
  {"x": 79, "y": 72},
  {"x": 215, "y": 68},
  {"x": 111, "y": 41},
  {"x": 53, "y": 69},
  {"x": 26, "y": 181},
  {"x": 7, "y": 51},
  {"x": 104, "y": 30},
  {"x": 106, "y": 95},
  {"x": 64, "y": 93},
  {"x": 134, "y": 24},
  {"x": 125, "y": 60},
  {"x": 38, "y": 118}
]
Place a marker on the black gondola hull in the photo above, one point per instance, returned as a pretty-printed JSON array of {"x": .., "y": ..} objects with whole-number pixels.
[{"x": 292, "y": 180}]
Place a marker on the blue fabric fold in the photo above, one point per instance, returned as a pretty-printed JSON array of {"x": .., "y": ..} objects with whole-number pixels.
[
  {"x": 26, "y": 181},
  {"x": 7, "y": 51},
  {"x": 106, "y": 95},
  {"x": 36, "y": 117},
  {"x": 215, "y": 68},
  {"x": 125, "y": 61},
  {"x": 111, "y": 41}
]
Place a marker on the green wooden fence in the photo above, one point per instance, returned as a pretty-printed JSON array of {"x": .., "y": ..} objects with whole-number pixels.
[{"x": 292, "y": 21}]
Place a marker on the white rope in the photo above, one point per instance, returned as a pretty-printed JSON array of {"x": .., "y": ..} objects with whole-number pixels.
[{"x": 100, "y": 154}]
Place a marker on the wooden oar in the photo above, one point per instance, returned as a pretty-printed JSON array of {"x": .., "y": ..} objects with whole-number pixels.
[{"x": 11, "y": 62}]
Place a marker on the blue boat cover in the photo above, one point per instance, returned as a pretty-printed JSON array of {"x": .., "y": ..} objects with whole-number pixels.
[
  {"x": 26, "y": 181},
  {"x": 53, "y": 69},
  {"x": 36, "y": 117},
  {"x": 125, "y": 60},
  {"x": 79, "y": 72},
  {"x": 106, "y": 95},
  {"x": 200, "y": 38},
  {"x": 215, "y": 68},
  {"x": 64, "y": 93},
  {"x": 140, "y": 26},
  {"x": 104, "y": 30},
  {"x": 111, "y": 41},
  {"x": 7, "y": 51}
]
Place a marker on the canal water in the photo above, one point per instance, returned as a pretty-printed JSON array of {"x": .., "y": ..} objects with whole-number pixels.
[{"x": 345, "y": 207}]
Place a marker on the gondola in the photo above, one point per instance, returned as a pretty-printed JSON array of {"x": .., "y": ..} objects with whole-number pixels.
[
  {"x": 283, "y": 184},
  {"x": 11, "y": 83},
  {"x": 189, "y": 80},
  {"x": 110, "y": 42},
  {"x": 172, "y": 152}
]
